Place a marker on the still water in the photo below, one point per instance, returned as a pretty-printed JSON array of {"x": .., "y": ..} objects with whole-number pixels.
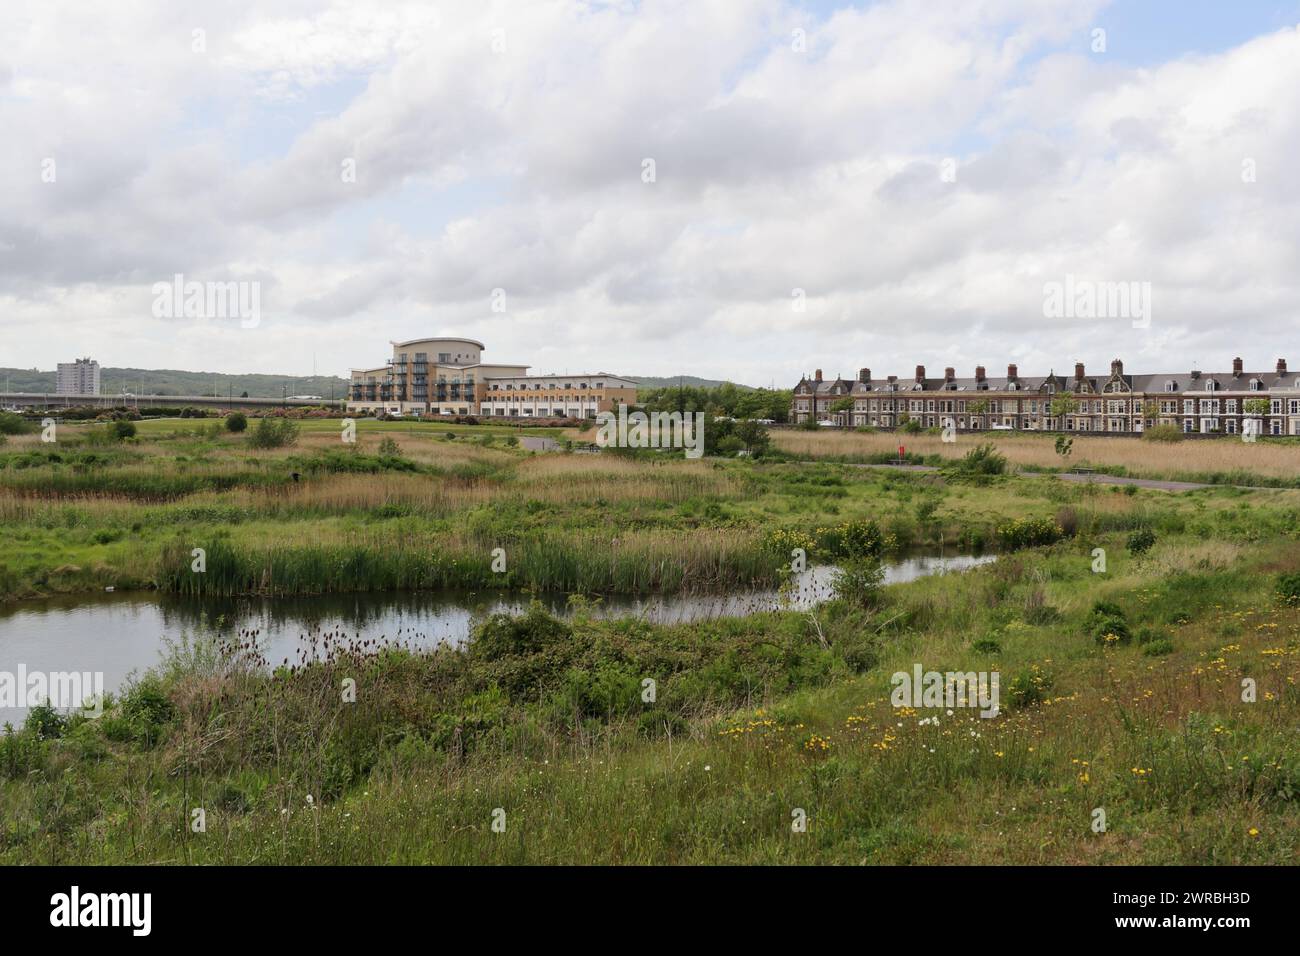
[{"x": 119, "y": 633}]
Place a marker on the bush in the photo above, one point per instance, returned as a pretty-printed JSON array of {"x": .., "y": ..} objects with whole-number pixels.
[
  {"x": 1165, "y": 433},
  {"x": 273, "y": 433},
  {"x": 121, "y": 429},
  {"x": 1288, "y": 588},
  {"x": 1150, "y": 635},
  {"x": 1028, "y": 533},
  {"x": 1030, "y": 687},
  {"x": 982, "y": 460},
  {"x": 857, "y": 581},
  {"x": 1107, "y": 625},
  {"x": 1159, "y": 648},
  {"x": 986, "y": 645},
  {"x": 45, "y": 722},
  {"x": 855, "y": 539},
  {"x": 1140, "y": 541},
  {"x": 236, "y": 422},
  {"x": 11, "y": 424},
  {"x": 388, "y": 447}
]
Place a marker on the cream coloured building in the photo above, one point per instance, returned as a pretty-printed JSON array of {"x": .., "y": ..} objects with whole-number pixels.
[{"x": 447, "y": 376}]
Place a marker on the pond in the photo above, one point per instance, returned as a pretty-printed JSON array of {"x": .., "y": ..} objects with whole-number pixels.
[{"x": 115, "y": 634}]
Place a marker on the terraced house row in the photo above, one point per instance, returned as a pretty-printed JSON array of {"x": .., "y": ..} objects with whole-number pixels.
[
  {"x": 447, "y": 376},
  {"x": 1197, "y": 402}
]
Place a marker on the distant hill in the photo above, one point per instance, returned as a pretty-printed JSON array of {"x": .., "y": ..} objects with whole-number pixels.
[
  {"x": 652, "y": 381},
  {"x": 166, "y": 381}
]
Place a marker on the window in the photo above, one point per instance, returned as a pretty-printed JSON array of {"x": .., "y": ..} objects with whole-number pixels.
[
  {"x": 1256, "y": 385},
  {"x": 1171, "y": 386}
]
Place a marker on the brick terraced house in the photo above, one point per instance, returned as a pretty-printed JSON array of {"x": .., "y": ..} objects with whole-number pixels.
[
  {"x": 447, "y": 376},
  {"x": 1196, "y": 402}
]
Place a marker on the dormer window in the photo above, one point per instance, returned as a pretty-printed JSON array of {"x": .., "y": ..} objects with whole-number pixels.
[
  {"x": 1211, "y": 385},
  {"x": 1171, "y": 386},
  {"x": 1256, "y": 385}
]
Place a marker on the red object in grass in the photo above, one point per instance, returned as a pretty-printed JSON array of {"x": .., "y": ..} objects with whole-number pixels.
[{"x": 902, "y": 452}]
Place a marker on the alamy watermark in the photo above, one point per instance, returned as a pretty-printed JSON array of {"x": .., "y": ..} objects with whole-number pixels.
[
  {"x": 179, "y": 299},
  {"x": 948, "y": 689},
  {"x": 656, "y": 430},
  {"x": 1089, "y": 299},
  {"x": 62, "y": 690}
]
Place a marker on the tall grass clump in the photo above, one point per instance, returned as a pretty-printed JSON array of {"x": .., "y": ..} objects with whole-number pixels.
[{"x": 273, "y": 433}]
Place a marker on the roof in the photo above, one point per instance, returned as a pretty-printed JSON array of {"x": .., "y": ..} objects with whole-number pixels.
[{"x": 440, "y": 339}]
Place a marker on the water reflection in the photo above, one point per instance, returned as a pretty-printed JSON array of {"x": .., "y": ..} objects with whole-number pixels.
[{"x": 120, "y": 633}]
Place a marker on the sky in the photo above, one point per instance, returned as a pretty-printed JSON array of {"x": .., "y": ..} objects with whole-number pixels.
[{"x": 748, "y": 189}]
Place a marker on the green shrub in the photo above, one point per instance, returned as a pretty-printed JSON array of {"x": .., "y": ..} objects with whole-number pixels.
[
  {"x": 1150, "y": 635},
  {"x": 388, "y": 447},
  {"x": 857, "y": 581},
  {"x": 236, "y": 422},
  {"x": 1028, "y": 533},
  {"x": 45, "y": 722},
  {"x": 1106, "y": 624},
  {"x": 13, "y": 424},
  {"x": 1029, "y": 687},
  {"x": 982, "y": 460},
  {"x": 121, "y": 429},
  {"x": 273, "y": 433},
  {"x": 1165, "y": 433},
  {"x": 1141, "y": 541},
  {"x": 1159, "y": 648},
  {"x": 1288, "y": 588},
  {"x": 986, "y": 645}
]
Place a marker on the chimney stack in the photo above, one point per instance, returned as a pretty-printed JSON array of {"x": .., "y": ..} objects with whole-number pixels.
[
  {"x": 949, "y": 374},
  {"x": 1281, "y": 366},
  {"x": 920, "y": 373},
  {"x": 1116, "y": 367},
  {"x": 818, "y": 376},
  {"x": 1078, "y": 371},
  {"x": 864, "y": 375},
  {"x": 979, "y": 373},
  {"x": 1236, "y": 367},
  {"x": 1013, "y": 373}
]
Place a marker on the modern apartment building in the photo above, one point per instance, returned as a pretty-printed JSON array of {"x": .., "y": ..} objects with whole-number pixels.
[
  {"x": 78, "y": 378},
  {"x": 447, "y": 376},
  {"x": 556, "y": 396},
  {"x": 1197, "y": 402}
]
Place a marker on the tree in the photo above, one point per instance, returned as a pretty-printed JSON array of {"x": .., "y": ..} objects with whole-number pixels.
[
  {"x": 1064, "y": 404},
  {"x": 236, "y": 422},
  {"x": 754, "y": 436}
]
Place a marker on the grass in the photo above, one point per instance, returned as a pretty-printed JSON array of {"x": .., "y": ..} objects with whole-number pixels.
[
  {"x": 322, "y": 515},
  {"x": 1228, "y": 460},
  {"x": 753, "y": 719},
  {"x": 1121, "y": 690}
]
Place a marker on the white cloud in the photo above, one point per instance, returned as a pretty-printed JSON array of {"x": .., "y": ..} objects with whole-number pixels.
[{"x": 522, "y": 169}]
